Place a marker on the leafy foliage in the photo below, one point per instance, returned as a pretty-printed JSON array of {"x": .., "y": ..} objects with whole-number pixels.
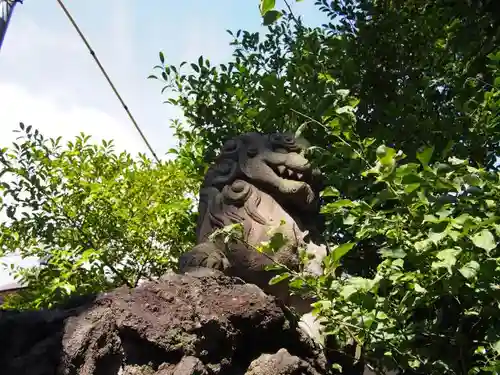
[
  {"x": 433, "y": 293},
  {"x": 95, "y": 218},
  {"x": 400, "y": 101},
  {"x": 419, "y": 70}
]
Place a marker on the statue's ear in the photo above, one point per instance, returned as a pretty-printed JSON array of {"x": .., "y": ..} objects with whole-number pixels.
[{"x": 303, "y": 143}]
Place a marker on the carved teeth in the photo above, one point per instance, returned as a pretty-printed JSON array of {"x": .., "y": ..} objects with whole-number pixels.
[{"x": 285, "y": 172}]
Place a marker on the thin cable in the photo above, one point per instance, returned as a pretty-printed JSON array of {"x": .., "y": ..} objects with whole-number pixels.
[
  {"x": 107, "y": 78},
  {"x": 6, "y": 11}
]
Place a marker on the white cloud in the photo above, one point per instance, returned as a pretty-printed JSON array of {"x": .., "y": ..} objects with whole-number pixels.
[
  {"x": 49, "y": 80},
  {"x": 26, "y": 38},
  {"x": 122, "y": 31},
  {"x": 54, "y": 116}
]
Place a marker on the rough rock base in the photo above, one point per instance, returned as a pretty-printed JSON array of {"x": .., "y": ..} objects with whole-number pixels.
[{"x": 180, "y": 325}]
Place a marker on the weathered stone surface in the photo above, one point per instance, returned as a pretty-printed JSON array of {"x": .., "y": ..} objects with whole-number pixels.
[
  {"x": 182, "y": 324},
  {"x": 259, "y": 181},
  {"x": 282, "y": 363}
]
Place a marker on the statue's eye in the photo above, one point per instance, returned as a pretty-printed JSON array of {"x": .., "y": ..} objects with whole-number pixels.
[
  {"x": 284, "y": 141},
  {"x": 230, "y": 146},
  {"x": 288, "y": 139},
  {"x": 275, "y": 138},
  {"x": 252, "y": 151}
]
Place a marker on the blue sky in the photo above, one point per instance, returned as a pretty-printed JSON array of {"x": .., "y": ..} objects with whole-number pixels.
[
  {"x": 49, "y": 80},
  {"x": 43, "y": 56}
]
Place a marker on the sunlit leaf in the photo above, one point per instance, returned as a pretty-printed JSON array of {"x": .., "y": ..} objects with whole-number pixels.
[
  {"x": 266, "y": 6},
  {"x": 425, "y": 155},
  {"x": 342, "y": 250},
  {"x": 485, "y": 240},
  {"x": 279, "y": 278},
  {"x": 470, "y": 269}
]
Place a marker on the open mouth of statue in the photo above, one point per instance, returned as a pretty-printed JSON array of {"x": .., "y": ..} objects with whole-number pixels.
[{"x": 290, "y": 174}]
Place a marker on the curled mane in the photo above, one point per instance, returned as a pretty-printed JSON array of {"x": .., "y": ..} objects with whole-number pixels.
[{"x": 220, "y": 212}]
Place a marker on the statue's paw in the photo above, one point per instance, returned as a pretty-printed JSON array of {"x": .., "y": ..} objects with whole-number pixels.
[
  {"x": 306, "y": 193},
  {"x": 204, "y": 255},
  {"x": 217, "y": 261},
  {"x": 204, "y": 272}
]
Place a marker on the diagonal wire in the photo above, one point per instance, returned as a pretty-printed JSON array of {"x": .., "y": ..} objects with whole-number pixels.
[
  {"x": 6, "y": 10},
  {"x": 107, "y": 78}
]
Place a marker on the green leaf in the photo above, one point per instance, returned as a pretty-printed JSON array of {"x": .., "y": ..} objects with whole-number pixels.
[
  {"x": 414, "y": 363},
  {"x": 442, "y": 168},
  {"x": 162, "y": 57},
  {"x": 195, "y": 68},
  {"x": 350, "y": 220},
  {"x": 343, "y": 93},
  {"x": 356, "y": 284},
  {"x": 279, "y": 278},
  {"x": 385, "y": 155},
  {"x": 348, "y": 290},
  {"x": 485, "y": 240},
  {"x": 342, "y": 250},
  {"x": 411, "y": 187},
  {"x": 296, "y": 284},
  {"x": 436, "y": 237},
  {"x": 496, "y": 347},
  {"x": 473, "y": 179},
  {"x": 447, "y": 259},
  {"x": 340, "y": 203},
  {"x": 266, "y": 6},
  {"x": 271, "y": 16},
  {"x": 494, "y": 56},
  {"x": 425, "y": 155},
  {"x": 335, "y": 366},
  {"x": 321, "y": 305},
  {"x": 470, "y": 269},
  {"x": 419, "y": 289},
  {"x": 397, "y": 253},
  {"x": 330, "y": 191},
  {"x": 496, "y": 83}
]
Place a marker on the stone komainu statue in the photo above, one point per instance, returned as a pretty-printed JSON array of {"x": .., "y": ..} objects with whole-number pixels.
[{"x": 259, "y": 180}]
